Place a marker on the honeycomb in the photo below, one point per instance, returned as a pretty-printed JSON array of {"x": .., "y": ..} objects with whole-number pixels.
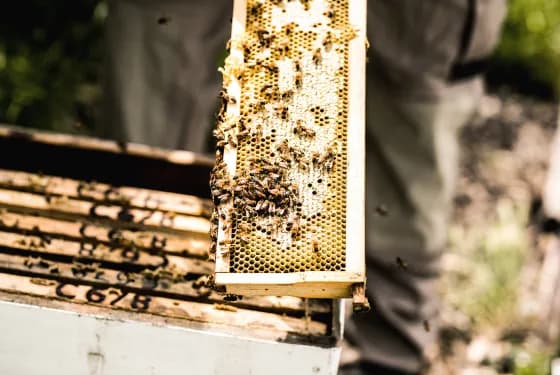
[{"x": 284, "y": 208}]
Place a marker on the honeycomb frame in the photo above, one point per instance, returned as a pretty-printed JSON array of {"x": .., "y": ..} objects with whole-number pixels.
[{"x": 254, "y": 266}]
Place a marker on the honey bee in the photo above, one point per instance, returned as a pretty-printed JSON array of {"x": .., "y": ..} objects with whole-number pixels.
[
  {"x": 315, "y": 245},
  {"x": 268, "y": 92},
  {"x": 328, "y": 41},
  {"x": 289, "y": 28},
  {"x": 286, "y": 95},
  {"x": 297, "y": 66},
  {"x": 282, "y": 110},
  {"x": 226, "y": 242},
  {"x": 246, "y": 50},
  {"x": 214, "y": 232},
  {"x": 350, "y": 33},
  {"x": 426, "y": 325},
  {"x": 257, "y": 132},
  {"x": 401, "y": 263},
  {"x": 226, "y": 99},
  {"x": 328, "y": 159},
  {"x": 299, "y": 158},
  {"x": 302, "y": 131},
  {"x": 232, "y": 141},
  {"x": 315, "y": 157},
  {"x": 273, "y": 68},
  {"x": 163, "y": 20},
  {"x": 283, "y": 148},
  {"x": 305, "y": 4},
  {"x": 265, "y": 38},
  {"x": 292, "y": 225},
  {"x": 299, "y": 79},
  {"x": 221, "y": 306},
  {"x": 317, "y": 58},
  {"x": 256, "y": 10},
  {"x": 230, "y": 297},
  {"x": 330, "y": 14},
  {"x": 381, "y": 210},
  {"x": 243, "y": 239}
]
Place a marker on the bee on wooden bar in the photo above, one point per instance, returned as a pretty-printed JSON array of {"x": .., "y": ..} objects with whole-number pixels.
[
  {"x": 226, "y": 242},
  {"x": 232, "y": 141},
  {"x": 213, "y": 232},
  {"x": 230, "y": 297},
  {"x": 349, "y": 33},
  {"x": 317, "y": 57},
  {"x": 220, "y": 137},
  {"x": 303, "y": 131},
  {"x": 226, "y": 99}
]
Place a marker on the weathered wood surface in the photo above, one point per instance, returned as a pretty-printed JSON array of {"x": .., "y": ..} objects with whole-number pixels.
[
  {"x": 115, "y": 163},
  {"x": 115, "y": 298},
  {"x": 125, "y": 248}
]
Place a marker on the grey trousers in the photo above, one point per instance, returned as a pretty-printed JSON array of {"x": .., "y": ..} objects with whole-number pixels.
[{"x": 161, "y": 88}]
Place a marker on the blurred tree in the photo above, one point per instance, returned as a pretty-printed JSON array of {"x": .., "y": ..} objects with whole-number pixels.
[
  {"x": 50, "y": 52},
  {"x": 528, "y": 57}
]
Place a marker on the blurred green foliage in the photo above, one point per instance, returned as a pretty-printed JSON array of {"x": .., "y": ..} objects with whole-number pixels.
[
  {"x": 528, "y": 56},
  {"x": 50, "y": 54}
]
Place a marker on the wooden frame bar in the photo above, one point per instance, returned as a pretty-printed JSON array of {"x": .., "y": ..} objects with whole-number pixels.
[{"x": 316, "y": 284}]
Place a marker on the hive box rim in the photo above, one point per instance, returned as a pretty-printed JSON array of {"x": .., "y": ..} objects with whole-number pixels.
[{"x": 307, "y": 284}]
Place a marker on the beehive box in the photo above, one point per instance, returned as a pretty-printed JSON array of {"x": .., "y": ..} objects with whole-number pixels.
[
  {"x": 289, "y": 177},
  {"x": 104, "y": 262}
]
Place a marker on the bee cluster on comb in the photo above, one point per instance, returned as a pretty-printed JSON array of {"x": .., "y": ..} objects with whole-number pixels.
[{"x": 280, "y": 183}]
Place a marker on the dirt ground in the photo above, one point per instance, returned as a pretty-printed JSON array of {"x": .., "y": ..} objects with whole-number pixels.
[{"x": 491, "y": 320}]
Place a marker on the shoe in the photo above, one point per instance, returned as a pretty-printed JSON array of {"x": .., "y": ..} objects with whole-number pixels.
[{"x": 367, "y": 368}]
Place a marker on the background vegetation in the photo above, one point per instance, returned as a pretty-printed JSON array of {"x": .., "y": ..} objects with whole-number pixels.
[
  {"x": 50, "y": 55},
  {"x": 51, "y": 51}
]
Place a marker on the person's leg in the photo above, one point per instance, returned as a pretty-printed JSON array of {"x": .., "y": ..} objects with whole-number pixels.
[
  {"x": 413, "y": 116},
  {"x": 161, "y": 70},
  {"x": 411, "y": 169}
]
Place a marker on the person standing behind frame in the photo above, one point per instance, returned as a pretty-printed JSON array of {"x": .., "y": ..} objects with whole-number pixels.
[{"x": 423, "y": 85}]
